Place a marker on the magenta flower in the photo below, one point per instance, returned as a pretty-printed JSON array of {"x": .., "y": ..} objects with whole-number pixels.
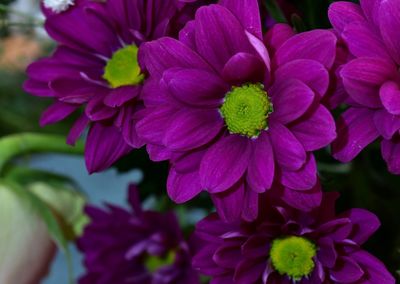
[
  {"x": 146, "y": 247},
  {"x": 284, "y": 245},
  {"x": 371, "y": 78},
  {"x": 96, "y": 66},
  {"x": 231, "y": 114}
]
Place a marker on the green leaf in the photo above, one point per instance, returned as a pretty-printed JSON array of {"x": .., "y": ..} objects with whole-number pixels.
[{"x": 275, "y": 11}]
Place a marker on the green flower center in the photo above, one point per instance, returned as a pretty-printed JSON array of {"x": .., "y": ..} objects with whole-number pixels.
[
  {"x": 153, "y": 263},
  {"x": 293, "y": 256},
  {"x": 123, "y": 68},
  {"x": 246, "y": 109}
]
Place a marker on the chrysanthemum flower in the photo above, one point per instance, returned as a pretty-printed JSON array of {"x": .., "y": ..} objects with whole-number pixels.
[
  {"x": 232, "y": 114},
  {"x": 371, "y": 78},
  {"x": 285, "y": 245},
  {"x": 96, "y": 66},
  {"x": 137, "y": 246}
]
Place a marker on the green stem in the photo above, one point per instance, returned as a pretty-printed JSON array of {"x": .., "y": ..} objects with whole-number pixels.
[{"x": 16, "y": 145}]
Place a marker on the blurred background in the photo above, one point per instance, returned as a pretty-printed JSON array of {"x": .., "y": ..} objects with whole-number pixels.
[{"x": 365, "y": 183}]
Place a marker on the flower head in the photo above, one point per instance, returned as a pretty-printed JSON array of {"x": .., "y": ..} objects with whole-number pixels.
[
  {"x": 370, "y": 77},
  {"x": 233, "y": 113},
  {"x": 137, "y": 246},
  {"x": 285, "y": 245},
  {"x": 96, "y": 66}
]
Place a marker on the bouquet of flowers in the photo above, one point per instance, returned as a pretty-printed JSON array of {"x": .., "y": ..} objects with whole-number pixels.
[{"x": 255, "y": 112}]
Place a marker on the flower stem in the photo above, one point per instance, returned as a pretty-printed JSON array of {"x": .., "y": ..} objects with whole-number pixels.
[{"x": 16, "y": 145}]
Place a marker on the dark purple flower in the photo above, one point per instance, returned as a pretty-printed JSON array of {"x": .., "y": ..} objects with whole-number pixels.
[
  {"x": 371, "y": 78},
  {"x": 285, "y": 245},
  {"x": 96, "y": 66},
  {"x": 233, "y": 113},
  {"x": 137, "y": 246}
]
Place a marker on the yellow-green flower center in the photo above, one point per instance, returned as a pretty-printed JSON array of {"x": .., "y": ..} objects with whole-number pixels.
[
  {"x": 123, "y": 68},
  {"x": 246, "y": 110},
  {"x": 293, "y": 256},
  {"x": 153, "y": 263}
]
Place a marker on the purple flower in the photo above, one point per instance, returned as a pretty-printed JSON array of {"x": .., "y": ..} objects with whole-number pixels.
[
  {"x": 146, "y": 247},
  {"x": 96, "y": 65},
  {"x": 371, "y": 78},
  {"x": 232, "y": 113},
  {"x": 285, "y": 245}
]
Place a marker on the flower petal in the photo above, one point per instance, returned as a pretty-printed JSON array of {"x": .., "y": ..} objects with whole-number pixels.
[
  {"x": 391, "y": 154},
  {"x": 303, "y": 200},
  {"x": 290, "y": 100},
  {"x": 260, "y": 173},
  {"x": 190, "y": 129},
  {"x": 224, "y": 163},
  {"x": 389, "y": 23},
  {"x": 288, "y": 151},
  {"x": 244, "y": 67},
  {"x": 362, "y": 78},
  {"x": 346, "y": 271},
  {"x": 303, "y": 179},
  {"x": 183, "y": 187},
  {"x": 57, "y": 112},
  {"x": 229, "y": 203},
  {"x": 212, "y": 22},
  {"x": 365, "y": 224},
  {"x": 356, "y": 130},
  {"x": 342, "y": 13},
  {"x": 390, "y": 97},
  {"x": 196, "y": 87},
  {"x": 316, "y": 130},
  {"x": 104, "y": 146},
  {"x": 386, "y": 123},
  {"x": 318, "y": 45}
]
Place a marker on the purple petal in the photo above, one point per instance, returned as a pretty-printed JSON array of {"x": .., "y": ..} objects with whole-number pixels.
[
  {"x": 183, "y": 187},
  {"x": 190, "y": 129},
  {"x": 249, "y": 271},
  {"x": 303, "y": 200},
  {"x": 375, "y": 270},
  {"x": 363, "y": 77},
  {"x": 310, "y": 72},
  {"x": 391, "y": 153},
  {"x": 244, "y": 67},
  {"x": 363, "y": 41},
  {"x": 196, "y": 87},
  {"x": 228, "y": 255},
  {"x": 119, "y": 96},
  {"x": 302, "y": 179},
  {"x": 327, "y": 254},
  {"x": 386, "y": 123},
  {"x": 37, "y": 88},
  {"x": 356, "y": 130},
  {"x": 166, "y": 53},
  {"x": 260, "y": 173},
  {"x": 224, "y": 163},
  {"x": 158, "y": 153},
  {"x": 77, "y": 129},
  {"x": 346, "y": 271},
  {"x": 316, "y": 130},
  {"x": 277, "y": 35},
  {"x": 288, "y": 151},
  {"x": 212, "y": 22},
  {"x": 389, "y": 23},
  {"x": 248, "y": 13},
  {"x": 291, "y": 99},
  {"x": 390, "y": 97},
  {"x": 318, "y": 45},
  {"x": 57, "y": 112},
  {"x": 250, "y": 207},
  {"x": 229, "y": 203},
  {"x": 343, "y": 13},
  {"x": 104, "y": 146},
  {"x": 364, "y": 223}
]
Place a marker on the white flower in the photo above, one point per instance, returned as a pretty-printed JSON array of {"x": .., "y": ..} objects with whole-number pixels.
[{"x": 58, "y": 6}]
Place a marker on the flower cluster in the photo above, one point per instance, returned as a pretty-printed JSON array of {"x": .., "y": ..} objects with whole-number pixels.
[
  {"x": 135, "y": 246},
  {"x": 285, "y": 245},
  {"x": 237, "y": 113}
]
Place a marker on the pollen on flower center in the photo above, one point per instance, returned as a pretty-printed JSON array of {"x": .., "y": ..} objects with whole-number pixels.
[
  {"x": 293, "y": 256},
  {"x": 153, "y": 263},
  {"x": 123, "y": 68},
  {"x": 246, "y": 109}
]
